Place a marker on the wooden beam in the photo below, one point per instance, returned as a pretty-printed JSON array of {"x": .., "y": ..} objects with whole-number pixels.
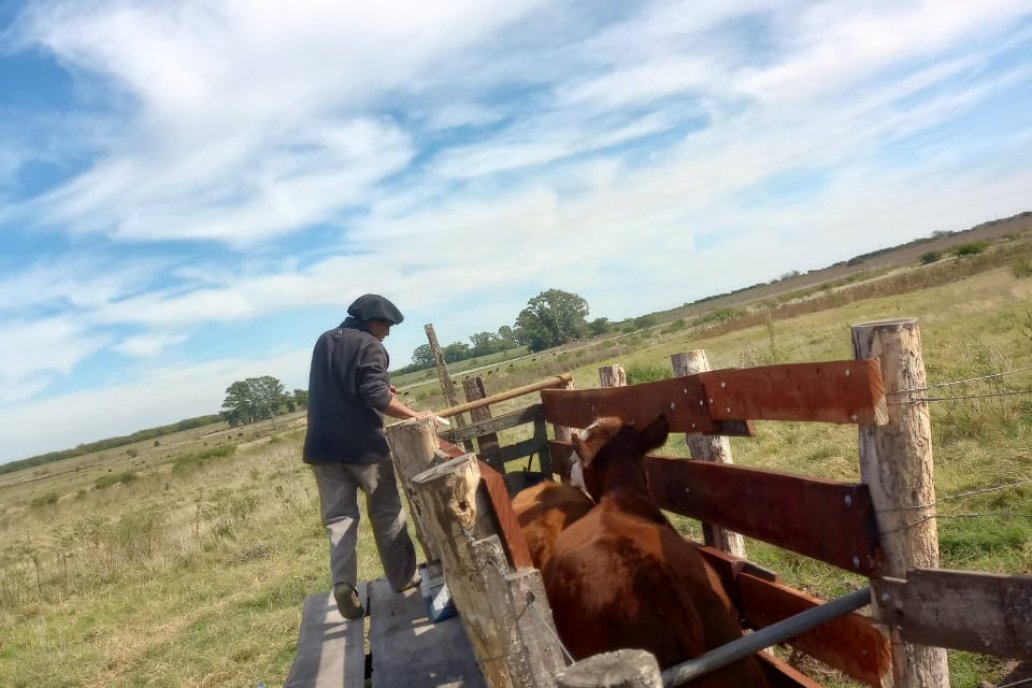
[
  {"x": 830, "y": 521},
  {"x": 531, "y": 414},
  {"x": 851, "y": 644},
  {"x": 548, "y": 382},
  {"x": 515, "y": 451},
  {"x": 781, "y": 674},
  {"x": 720, "y": 401},
  {"x": 979, "y": 612},
  {"x": 681, "y": 399},
  {"x": 832, "y": 392}
]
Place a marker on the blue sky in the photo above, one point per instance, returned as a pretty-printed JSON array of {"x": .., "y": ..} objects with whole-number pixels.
[{"x": 191, "y": 192}]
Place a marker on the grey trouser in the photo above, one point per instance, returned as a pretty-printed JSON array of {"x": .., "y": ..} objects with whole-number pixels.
[{"x": 338, "y": 493}]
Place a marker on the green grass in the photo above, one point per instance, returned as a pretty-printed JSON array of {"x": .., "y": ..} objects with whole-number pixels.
[{"x": 193, "y": 572}]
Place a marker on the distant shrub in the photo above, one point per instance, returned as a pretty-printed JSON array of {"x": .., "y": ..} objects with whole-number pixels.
[
  {"x": 930, "y": 257},
  {"x": 972, "y": 248},
  {"x": 1022, "y": 268},
  {"x": 854, "y": 261},
  {"x": 106, "y": 481},
  {"x": 132, "y": 453},
  {"x": 43, "y": 500},
  {"x": 197, "y": 458},
  {"x": 636, "y": 374},
  {"x": 675, "y": 326}
]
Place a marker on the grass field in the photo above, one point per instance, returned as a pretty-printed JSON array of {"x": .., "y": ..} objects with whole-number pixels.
[{"x": 185, "y": 560}]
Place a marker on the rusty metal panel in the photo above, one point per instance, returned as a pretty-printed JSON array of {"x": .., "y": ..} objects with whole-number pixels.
[
  {"x": 850, "y": 644},
  {"x": 682, "y": 400},
  {"x": 833, "y": 392},
  {"x": 508, "y": 526},
  {"x": 962, "y": 610},
  {"x": 830, "y": 521}
]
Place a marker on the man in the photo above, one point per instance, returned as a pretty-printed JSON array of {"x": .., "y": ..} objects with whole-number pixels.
[{"x": 349, "y": 392}]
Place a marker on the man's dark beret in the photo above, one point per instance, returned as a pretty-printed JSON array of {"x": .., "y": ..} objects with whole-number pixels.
[{"x": 375, "y": 307}]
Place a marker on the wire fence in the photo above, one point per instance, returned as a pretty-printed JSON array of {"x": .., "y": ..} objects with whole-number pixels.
[{"x": 992, "y": 377}]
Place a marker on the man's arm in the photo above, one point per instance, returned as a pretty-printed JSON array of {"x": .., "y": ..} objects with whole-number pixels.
[{"x": 397, "y": 409}]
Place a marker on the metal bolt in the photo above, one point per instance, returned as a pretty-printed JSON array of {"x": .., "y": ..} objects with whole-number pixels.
[
  {"x": 885, "y": 597},
  {"x": 673, "y": 406},
  {"x": 711, "y": 400},
  {"x": 687, "y": 490},
  {"x": 849, "y": 500},
  {"x": 856, "y": 562},
  {"x": 847, "y": 372},
  {"x": 729, "y": 409},
  {"x": 854, "y": 417},
  {"x": 701, "y": 402},
  {"x": 723, "y": 385},
  {"x": 693, "y": 425}
]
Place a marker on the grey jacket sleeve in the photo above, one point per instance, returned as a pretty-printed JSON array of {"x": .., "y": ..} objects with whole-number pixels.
[{"x": 371, "y": 379}]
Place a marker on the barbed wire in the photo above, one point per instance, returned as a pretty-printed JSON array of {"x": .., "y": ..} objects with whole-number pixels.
[
  {"x": 958, "y": 495},
  {"x": 931, "y": 517},
  {"x": 964, "y": 398},
  {"x": 960, "y": 382}
]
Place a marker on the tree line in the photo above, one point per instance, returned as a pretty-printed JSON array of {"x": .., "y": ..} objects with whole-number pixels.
[{"x": 552, "y": 318}]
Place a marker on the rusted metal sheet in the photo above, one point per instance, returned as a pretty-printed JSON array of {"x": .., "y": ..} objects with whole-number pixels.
[
  {"x": 830, "y": 521},
  {"x": 682, "y": 399},
  {"x": 962, "y": 610},
  {"x": 850, "y": 644},
  {"x": 833, "y": 392},
  {"x": 508, "y": 526}
]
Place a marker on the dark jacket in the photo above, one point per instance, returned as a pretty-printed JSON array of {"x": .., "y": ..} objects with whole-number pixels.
[{"x": 348, "y": 389}]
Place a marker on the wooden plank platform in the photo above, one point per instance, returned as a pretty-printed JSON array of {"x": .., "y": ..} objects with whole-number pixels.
[
  {"x": 408, "y": 650},
  {"x": 329, "y": 648}
]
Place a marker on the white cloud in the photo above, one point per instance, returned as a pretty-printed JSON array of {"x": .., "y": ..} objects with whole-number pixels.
[
  {"x": 149, "y": 345},
  {"x": 161, "y": 396},
  {"x": 34, "y": 353}
]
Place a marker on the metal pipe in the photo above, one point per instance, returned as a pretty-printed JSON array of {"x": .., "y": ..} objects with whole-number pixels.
[{"x": 765, "y": 637}]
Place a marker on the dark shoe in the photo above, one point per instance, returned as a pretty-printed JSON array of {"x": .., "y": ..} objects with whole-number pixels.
[{"x": 348, "y": 602}]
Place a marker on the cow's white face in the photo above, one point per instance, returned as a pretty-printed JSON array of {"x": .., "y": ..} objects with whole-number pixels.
[
  {"x": 586, "y": 444},
  {"x": 577, "y": 474}
]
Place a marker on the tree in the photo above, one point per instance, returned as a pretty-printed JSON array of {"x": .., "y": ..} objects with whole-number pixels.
[
  {"x": 456, "y": 351},
  {"x": 506, "y": 334},
  {"x": 598, "y": 326},
  {"x": 551, "y": 318},
  {"x": 253, "y": 399},
  {"x": 645, "y": 322},
  {"x": 423, "y": 356}
]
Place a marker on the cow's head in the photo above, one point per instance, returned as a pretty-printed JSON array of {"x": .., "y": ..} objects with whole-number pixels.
[{"x": 610, "y": 442}]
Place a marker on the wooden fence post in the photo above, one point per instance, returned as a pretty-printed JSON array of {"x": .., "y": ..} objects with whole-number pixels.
[
  {"x": 474, "y": 389},
  {"x": 619, "y": 669},
  {"x": 896, "y": 465},
  {"x": 563, "y": 434},
  {"x": 505, "y": 613},
  {"x": 612, "y": 376},
  {"x": 715, "y": 448},
  {"x": 413, "y": 443},
  {"x": 447, "y": 386}
]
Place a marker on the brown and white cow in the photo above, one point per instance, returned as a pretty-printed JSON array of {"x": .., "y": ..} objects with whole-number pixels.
[{"x": 622, "y": 577}]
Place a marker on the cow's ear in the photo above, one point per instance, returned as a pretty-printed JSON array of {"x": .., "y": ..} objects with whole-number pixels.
[
  {"x": 655, "y": 433},
  {"x": 585, "y": 450}
]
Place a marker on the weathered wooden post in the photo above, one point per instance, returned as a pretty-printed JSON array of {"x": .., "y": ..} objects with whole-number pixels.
[
  {"x": 619, "y": 669},
  {"x": 715, "y": 448},
  {"x": 612, "y": 376},
  {"x": 896, "y": 465},
  {"x": 447, "y": 386},
  {"x": 474, "y": 389},
  {"x": 505, "y": 612},
  {"x": 563, "y": 434},
  {"x": 413, "y": 445}
]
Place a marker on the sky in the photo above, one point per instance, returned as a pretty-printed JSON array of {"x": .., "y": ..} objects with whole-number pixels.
[{"x": 192, "y": 191}]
